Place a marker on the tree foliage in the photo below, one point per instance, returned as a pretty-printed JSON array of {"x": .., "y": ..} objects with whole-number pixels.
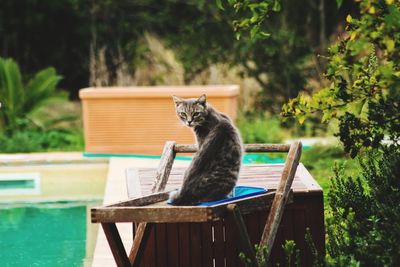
[
  {"x": 38, "y": 34},
  {"x": 364, "y": 73},
  {"x": 62, "y": 34},
  {"x": 18, "y": 99}
]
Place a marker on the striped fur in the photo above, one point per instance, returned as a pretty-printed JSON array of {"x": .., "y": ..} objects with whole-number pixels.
[{"x": 214, "y": 170}]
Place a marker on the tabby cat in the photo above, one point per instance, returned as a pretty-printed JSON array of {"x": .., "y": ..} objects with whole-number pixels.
[{"x": 214, "y": 170}]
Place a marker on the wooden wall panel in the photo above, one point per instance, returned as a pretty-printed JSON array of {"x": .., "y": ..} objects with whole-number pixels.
[
  {"x": 216, "y": 244},
  {"x": 140, "y": 120}
]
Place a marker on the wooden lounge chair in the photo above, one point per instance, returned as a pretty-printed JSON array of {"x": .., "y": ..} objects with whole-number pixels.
[{"x": 150, "y": 210}]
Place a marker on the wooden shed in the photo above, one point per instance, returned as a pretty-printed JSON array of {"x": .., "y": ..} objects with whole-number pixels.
[
  {"x": 183, "y": 244},
  {"x": 141, "y": 119}
]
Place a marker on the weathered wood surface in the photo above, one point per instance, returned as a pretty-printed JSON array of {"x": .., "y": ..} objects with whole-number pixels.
[
  {"x": 142, "y": 201},
  {"x": 164, "y": 167},
  {"x": 247, "y": 148},
  {"x": 246, "y": 205},
  {"x": 205, "y": 243},
  {"x": 116, "y": 246},
  {"x": 153, "y": 214},
  {"x": 280, "y": 200},
  {"x": 161, "y": 178},
  {"x": 138, "y": 247},
  {"x": 219, "y": 234},
  {"x": 261, "y": 175},
  {"x": 160, "y": 212},
  {"x": 244, "y": 238}
]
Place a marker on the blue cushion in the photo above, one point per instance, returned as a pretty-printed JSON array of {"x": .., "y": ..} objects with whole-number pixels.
[{"x": 237, "y": 193}]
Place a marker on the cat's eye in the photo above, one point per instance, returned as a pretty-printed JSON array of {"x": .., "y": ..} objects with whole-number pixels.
[
  {"x": 196, "y": 114},
  {"x": 182, "y": 114}
]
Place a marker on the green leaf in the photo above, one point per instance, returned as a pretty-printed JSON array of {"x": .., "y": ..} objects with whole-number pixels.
[
  {"x": 40, "y": 87},
  {"x": 277, "y": 6},
  {"x": 237, "y": 35},
  {"x": 19, "y": 100},
  {"x": 264, "y": 34},
  {"x": 219, "y": 4},
  {"x": 339, "y": 3},
  {"x": 254, "y": 31},
  {"x": 326, "y": 116},
  {"x": 301, "y": 118},
  {"x": 11, "y": 93}
]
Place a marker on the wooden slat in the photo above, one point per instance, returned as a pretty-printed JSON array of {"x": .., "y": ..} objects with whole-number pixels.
[
  {"x": 288, "y": 224},
  {"x": 252, "y": 223},
  {"x": 184, "y": 148},
  {"x": 281, "y": 196},
  {"x": 133, "y": 182},
  {"x": 163, "y": 171},
  {"x": 299, "y": 231},
  {"x": 142, "y": 201},
  {"x": 161, "y": 212},
  {"x": 184, "y": 244},
  {"x": 164, "y": 167},
  {"x": 161, "y": 243},
  {"x": 266, "y": 175},
  {"x": 152, "y": 214},
  {"x": 232, "y": 251},
  {"x": 149, "y": 252},
  {"x": 245, "y": 243},
  {"x": 314, "y": 218},
  {"x": 207, "y": 242},
  {"x": 246, "y": 205},
  {"x": 219, "y": 244},
  {"x": 195, "y": 245},
  {"x": 116, "y": 246},
  {"x": 138, "y": 246},
  {"x": 172, "y": 245}
]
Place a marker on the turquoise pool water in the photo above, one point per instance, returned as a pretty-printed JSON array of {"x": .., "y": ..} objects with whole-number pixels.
[
  {"x": 43, "y": 234},
  {"x": 249, "y": 158},
  {"x": 252, "y": 158}
]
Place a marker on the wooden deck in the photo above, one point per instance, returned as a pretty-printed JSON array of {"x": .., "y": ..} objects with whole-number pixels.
[{"x": 264, "y": 175}]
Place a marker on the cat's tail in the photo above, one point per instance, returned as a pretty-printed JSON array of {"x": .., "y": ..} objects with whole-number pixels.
[
  {"x": 176, "y": 199},
  {"x": 173, "y": 195}
]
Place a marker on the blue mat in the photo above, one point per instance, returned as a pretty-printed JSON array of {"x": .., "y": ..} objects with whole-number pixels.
[{"x": 238, "y": 193}]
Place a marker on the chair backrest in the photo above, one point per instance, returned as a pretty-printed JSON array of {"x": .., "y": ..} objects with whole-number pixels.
[{"x": 270, "y": 226}]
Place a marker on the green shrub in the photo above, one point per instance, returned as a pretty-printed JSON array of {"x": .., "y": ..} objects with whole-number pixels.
[
  {"x": 260, "y": 128},
  {"x": 37, "y": 140},
  {"x": 19, "y": 99},
  {"x": 364, "y": 224}
]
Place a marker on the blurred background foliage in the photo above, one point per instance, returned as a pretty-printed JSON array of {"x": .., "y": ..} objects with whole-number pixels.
[
  {"x": 113, "y": 42},
  {"x": 148, "y": 42},
  {"x": 169, "y": 42}
]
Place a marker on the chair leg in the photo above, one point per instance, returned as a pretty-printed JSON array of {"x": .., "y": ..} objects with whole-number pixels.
[
  {"x": 143, "y": 229},
  {"x": 115, "y": 242},
  {"x": 243, "y": 235},
  {"x": 139, "y": 243},
  {"x": 282, "y": 195}
]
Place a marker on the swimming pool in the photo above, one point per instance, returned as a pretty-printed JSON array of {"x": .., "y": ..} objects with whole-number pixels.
[
  {"x": 46, "y": 221},
  {"x": 46, "y": 234}
]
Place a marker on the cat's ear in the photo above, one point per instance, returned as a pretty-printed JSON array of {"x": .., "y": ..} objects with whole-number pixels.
[
  {"x": 177, "y": 100},
  {"x": 202, "y": 100}
]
